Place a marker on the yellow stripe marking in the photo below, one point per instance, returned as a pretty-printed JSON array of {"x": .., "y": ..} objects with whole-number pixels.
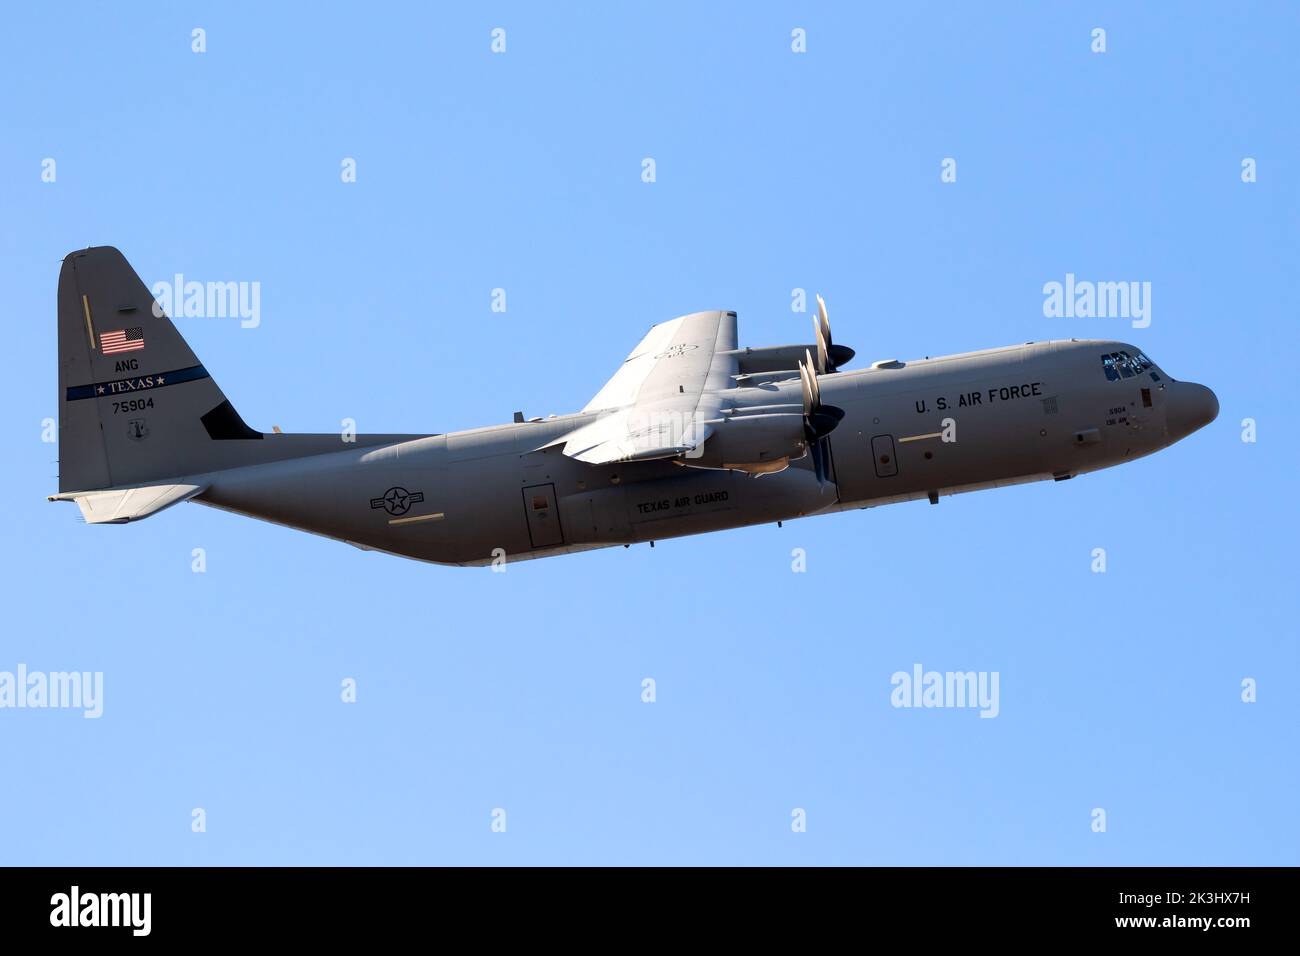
[
  {"x": 90, "y": 328},
  {"x": 438, "y": 517},
  {"x": 921, "y": 437}
]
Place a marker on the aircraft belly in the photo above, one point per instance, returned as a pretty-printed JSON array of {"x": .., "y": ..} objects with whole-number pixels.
[
  {"x": 403, "y": 504},
  {"x": 691, "y": 501}
]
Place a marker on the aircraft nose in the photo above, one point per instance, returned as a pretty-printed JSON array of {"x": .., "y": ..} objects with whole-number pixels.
[{"x": 1188, "y": 407}]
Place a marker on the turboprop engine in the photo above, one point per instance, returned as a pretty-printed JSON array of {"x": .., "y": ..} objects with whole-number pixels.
[{"x": 759, "y": 437}]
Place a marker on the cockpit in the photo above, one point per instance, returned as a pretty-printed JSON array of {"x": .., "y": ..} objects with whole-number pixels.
[
  {"x": 1118, "y": 365},
  {"x": 1186, "y": 406}
]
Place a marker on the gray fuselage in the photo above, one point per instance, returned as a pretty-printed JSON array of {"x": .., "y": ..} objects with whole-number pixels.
[{"x": 911, "y": 430}]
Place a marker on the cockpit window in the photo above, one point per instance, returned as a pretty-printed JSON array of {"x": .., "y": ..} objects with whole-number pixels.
[
  {"x": 1119, "y": 365},
  {"x": 1137, "y": 361}
]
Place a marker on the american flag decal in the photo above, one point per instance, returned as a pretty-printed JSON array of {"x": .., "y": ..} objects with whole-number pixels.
[{"x": 123, "y": 340}]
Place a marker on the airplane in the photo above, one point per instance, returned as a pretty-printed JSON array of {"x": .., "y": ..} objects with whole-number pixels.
[{"x": 692, "y": 434}]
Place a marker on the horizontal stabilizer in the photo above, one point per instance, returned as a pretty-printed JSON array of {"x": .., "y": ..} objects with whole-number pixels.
[{"x": 120, "y": 505}]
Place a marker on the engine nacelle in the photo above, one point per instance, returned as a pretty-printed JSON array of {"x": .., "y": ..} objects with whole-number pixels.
[
  {"x": 760, "y": 443},
  {"x": 775, "y": 358}
]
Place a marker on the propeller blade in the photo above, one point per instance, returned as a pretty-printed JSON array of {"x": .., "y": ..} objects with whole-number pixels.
[
  {"x": 818, "y": 420},
  {"x": 819, "y": 461},
  {"x": 806, "y": 380},
  {"x": 825, "y": 357},
  {"x": 812, "y": 379}
]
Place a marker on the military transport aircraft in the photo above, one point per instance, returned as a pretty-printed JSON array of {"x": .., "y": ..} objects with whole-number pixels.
[{"x": 693, "y": 433}]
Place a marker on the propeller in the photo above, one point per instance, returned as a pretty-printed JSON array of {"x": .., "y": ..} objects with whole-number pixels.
[
  {"x": 829, "y": 355},
  {"x": 818, "y": 420}
]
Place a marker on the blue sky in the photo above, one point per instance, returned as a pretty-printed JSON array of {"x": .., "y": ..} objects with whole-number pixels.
[{"x": 775, "y": 171}]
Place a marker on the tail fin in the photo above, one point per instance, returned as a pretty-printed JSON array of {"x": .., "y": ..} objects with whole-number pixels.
[{"x": 135, "y": 404}]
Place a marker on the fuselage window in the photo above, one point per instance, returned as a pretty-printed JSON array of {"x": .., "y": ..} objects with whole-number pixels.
[
  {"x": 1121, "y": 362},
  {"x": 1108, "y": 363}
]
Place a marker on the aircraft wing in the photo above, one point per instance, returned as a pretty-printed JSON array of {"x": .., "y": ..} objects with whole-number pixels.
[{"x": 662, "y": 400}]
